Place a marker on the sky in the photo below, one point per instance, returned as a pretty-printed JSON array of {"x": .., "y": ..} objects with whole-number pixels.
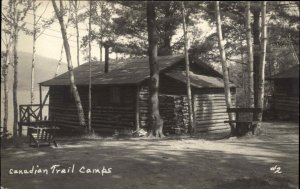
[{"x": 49, "y": 43}]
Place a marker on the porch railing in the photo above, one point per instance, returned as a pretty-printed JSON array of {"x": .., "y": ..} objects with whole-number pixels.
[{"x": 31, "y": 112}]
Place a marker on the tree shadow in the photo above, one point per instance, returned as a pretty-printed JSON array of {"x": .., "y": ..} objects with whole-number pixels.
[{"x": 158, "y": 164}]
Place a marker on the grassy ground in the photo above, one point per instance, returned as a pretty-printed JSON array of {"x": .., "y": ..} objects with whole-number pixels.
[{"x": 150, "y": 163}]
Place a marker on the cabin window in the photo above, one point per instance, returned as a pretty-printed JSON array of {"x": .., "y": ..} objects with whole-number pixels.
[{"x": 114, "y": 95}]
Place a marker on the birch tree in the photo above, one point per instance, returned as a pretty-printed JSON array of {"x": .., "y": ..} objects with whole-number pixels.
[
  {"x": 7, "y": 41},
  {"x": 156, "y": 123},
  {"x": 100, "y": 42},
  {"x": 250, "y": 56},
  {"x": 75, "y": 5},
  {"x": 15, "y": 61},
  {"x": 36, "y": 33},
  {"x": 61, "y": 53},
  {"x": 70, "y": 66},
  {"x": 263, "y": 47},
  {"x": 224, "y": 64},
  {"x": 19, "y": 12},
  {"x": 187, "y": 68},
  {"x": 5, "y": 69},
  {"x": 90, "y": 75}
]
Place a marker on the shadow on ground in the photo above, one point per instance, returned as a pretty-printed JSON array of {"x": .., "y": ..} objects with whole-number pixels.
[{"x": 186, "y": 163}]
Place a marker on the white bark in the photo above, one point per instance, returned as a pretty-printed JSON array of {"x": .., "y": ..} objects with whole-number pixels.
[
  {"x": 90, "y": 75},
  {"x": 70, "y": 66},
  {"x": 261, "y": 81},
  {"x": 250, "y": 57},
  {"x": 224, "y": 64},
  {"x": 187, "y": 67},
  {"x": 33, "y": 52}
]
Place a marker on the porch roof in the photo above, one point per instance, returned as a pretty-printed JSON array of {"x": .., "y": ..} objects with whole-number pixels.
[{"x": 199, "y": 81}]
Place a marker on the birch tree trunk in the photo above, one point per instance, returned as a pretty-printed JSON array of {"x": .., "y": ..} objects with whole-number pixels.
[
  {"x": 90, "y": 75},
  {"x": 187, "y": 68},
  {"x": 261, "y": 83},
  {"x": 101, "y": 30},
  {"x": 244, "y": 70},
  {"x": 33, "y": 52},
  {"x": 156, "y": 123},
  {"x": 250, "y": 57},
  {"x": 59, "y": 60},
  {"x": 77, "y": 32},
  {"x": 224, "y": 65},
  {"x": 15, "y": 82},
  {"x": 5, "y": 70},
  {"x": 5, "y": 80},
  {"x": 70, "y": 66}
]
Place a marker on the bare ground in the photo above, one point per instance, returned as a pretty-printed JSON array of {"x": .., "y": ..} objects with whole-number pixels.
[{"x": 175, "y": 164}]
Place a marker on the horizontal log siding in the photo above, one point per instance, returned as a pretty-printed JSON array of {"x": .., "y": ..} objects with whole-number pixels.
[
  {"x": 284, "y": 103},
  {"x": 61, "y": 109},
  {"x": 107, "y": 117},
  {"x": 210, "y": 111},
  {"x": 285, "y": 100}
]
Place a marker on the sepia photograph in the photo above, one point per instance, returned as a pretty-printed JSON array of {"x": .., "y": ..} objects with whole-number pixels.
[{"x": 100, "y": 94}]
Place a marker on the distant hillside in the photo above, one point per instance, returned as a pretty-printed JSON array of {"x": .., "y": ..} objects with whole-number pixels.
[{"x": 44, "y": 69}]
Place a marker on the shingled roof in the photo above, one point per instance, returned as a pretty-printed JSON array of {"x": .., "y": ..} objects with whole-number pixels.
[
  {"x": 292, "y": 72},
  {"x": 134, "y": 71},
  {"x": 129, "y": 71}
]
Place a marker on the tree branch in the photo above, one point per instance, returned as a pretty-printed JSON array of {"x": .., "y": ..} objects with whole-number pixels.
[{"x": 42, "y": 13}]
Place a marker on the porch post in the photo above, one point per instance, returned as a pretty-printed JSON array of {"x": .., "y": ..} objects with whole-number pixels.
[
  {"x": 137, "y": 108},
  {"x": 41, "y": 108},
  {"x": 20, "y": 121}
]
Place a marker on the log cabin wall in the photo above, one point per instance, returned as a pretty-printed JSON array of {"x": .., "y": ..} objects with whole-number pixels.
[
  {"x": 208, "y": 104},
  {"x": 209, "y": 107},
  {"x": 286, "y": 98},
  {"x": 113, "y": 108},
  {"x": 62, "y": 109},
  {"x": 210, "y": 110}
]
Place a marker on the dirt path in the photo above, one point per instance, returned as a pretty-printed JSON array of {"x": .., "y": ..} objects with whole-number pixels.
[{"x": 187, "y": 163}]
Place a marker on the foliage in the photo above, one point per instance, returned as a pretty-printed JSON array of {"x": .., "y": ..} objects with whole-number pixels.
[
  {"x": 283, "y": 30},
  {"x": 132, "y": 24},
  {"x": 283, "y": 34}
]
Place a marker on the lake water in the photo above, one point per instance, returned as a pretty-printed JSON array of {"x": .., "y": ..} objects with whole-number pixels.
[{"x": 23, "y": 98}]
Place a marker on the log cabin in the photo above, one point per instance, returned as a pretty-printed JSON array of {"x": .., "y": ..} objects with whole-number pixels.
[
  {"x": 285, "y": 98},
  {"x": 120, "y": 96}
]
